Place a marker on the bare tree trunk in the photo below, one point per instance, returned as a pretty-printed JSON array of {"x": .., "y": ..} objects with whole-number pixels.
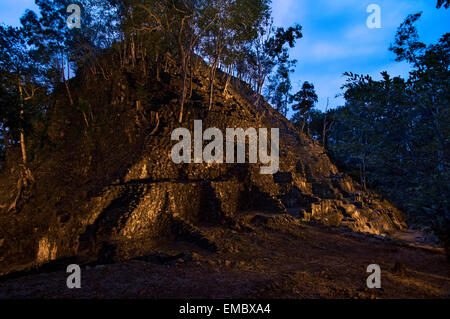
[
  {"x": 327, "y": 126},
  {"x": 308, "y": 128},
  {"x": 182, "y": 98},
  {"x": 21, "y": 115},
  {"x": 363, "y": 173},
  {"x": 259, "y": 83},
  {"x": 68, "y": 69},
  {"x": 183, "y": 70},
  {"x": 85, "y": 119},
  {"x": 225, "y": 90},
  {"x": 184, "y": 53},
  {"x": 119, "y": 51},
  {"x": 212, "y": 75},
  {"x": 5, "y": 138},
  {"x": 125, "y": 55},
  {"x": 211, "y": 91},
  {"x": 64, "y": 79},
  {"x": 166, "y": 65},
  {"x": 144, "y": 62},
  {"x": 183, "y": 85},
  {"x": 157, "y": 68},
  {"x": 133, "y": 52},
  {"x": 191, "y": 77}
]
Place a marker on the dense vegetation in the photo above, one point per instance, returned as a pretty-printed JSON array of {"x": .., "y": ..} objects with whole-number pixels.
[
  {"x": 47, "y": 56},
  {"x": 394, "y": 134},
  {"x": 44, "y": 54}
]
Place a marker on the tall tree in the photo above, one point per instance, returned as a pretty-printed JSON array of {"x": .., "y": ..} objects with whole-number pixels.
[
  {"x": 279, "y": 88},
  {"x": 183, "y": 22},
  {"x": 235, "y": 27},
  {"x": 395, "y": 133},
  {"x": 18, "y": 70},
  {"x": 19, "y": 83},
  {"x": 303, "y": 102},
  {"x": 269, "y": 48}
]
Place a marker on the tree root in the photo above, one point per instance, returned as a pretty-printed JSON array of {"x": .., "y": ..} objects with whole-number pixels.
[{"x": 24, "y": 183}]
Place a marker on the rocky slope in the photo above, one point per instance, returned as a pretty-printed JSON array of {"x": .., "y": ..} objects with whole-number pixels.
[{"x": 107, "y": 190}]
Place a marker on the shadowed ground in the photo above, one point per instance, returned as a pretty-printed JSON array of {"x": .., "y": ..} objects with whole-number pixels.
[{"x": 260, "y": 257}]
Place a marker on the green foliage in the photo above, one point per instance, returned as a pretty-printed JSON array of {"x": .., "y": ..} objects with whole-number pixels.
[
  {"x": 394, "y": 134},
  {"x": 407, "y": 46},
  {"x": 303, "y": 103},
  {"x": 445, "y": 3},
  {"x": 279, "y": 88},
  {"x": 22, "y": 96},
  {"x": 305, "y": 99},
  {"x": 142, "y": 37}
]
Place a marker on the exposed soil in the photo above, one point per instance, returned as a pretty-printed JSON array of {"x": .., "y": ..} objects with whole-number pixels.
[{"x": 259, "y": 257}]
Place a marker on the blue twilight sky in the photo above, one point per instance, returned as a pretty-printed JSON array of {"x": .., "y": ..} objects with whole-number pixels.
[{"x": 336, "y": 37}]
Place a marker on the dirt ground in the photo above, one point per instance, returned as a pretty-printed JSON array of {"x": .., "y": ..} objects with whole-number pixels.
[{"x": 263, "y": 257}]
